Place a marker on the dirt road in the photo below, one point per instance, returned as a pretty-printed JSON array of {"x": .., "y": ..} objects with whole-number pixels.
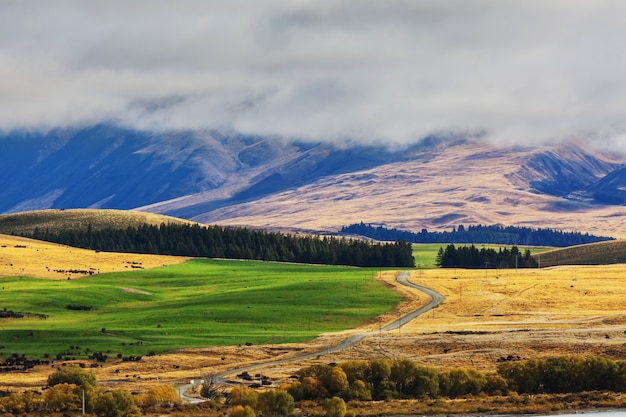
[{"x": 401, "y": 277}]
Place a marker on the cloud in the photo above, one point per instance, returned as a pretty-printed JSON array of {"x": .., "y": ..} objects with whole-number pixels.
[{"x": 395, "y": 71}]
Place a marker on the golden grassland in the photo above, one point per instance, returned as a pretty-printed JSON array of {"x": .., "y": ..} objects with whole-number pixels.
[
  {"x": 33, "y": 258},
  {"x": 79, "y": 219},
  {"x": 487, "y": 315},
  {"x": 609, "y": 252}
]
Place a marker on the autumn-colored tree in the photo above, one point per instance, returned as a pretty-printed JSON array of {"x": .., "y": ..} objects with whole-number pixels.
[
  {"x": 313, "y": 388},
  {"x": 63, "y": 397},
  {"x": 275, "y": 403},
  {"x": 334, "y": 407},
  {"x": 162, "y": 394},
  {"x": 118, "y": 403},
  {"x": 84, "y": 381},
  {"x": 379, "y": 376},
  {"x": 242, "y": 411},
  {"x": 244, "y": 396},
  {"x": 336, "y": 382},
  {"x": 496, "y": 384},
  {"x": 462, "y": 381},
  {"x": 12, "y": 403},
  {"x": 73, "y": 375},
  {"x": 295, "y": 390}
]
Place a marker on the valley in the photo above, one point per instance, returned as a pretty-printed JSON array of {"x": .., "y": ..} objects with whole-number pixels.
[{"x": 487, "y": 316}]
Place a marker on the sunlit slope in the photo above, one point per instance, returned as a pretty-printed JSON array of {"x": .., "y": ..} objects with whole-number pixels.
[
  {"x": 33, "y": 258},
  {"x": 24, "y": 223},
  {"x": 602, "y": 253},
  {"x": 440, "y": 188}
]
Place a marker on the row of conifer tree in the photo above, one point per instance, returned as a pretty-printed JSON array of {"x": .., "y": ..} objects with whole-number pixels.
[
  {"x": 473, "y": 257},
  {"x": 235, "y": 243},
  {"x": 478, "y": 234}
]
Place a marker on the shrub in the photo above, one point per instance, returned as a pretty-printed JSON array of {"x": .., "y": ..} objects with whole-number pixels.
[
  {"x": 334, "y": 407},
  {"x": 275, "y": 403},
  {"x": 118, "y": 403},
  {"x": 162, "y": 394},
  {"x": 242, "y": 411}
]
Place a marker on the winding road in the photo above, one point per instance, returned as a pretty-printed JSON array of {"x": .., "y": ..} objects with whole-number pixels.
[{"x": 402, "y": 278}]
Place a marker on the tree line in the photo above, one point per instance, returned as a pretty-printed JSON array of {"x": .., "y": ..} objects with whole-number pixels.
[
  {"x": 71, "y": 389},
  {"x": 472, "y": 257},
  {"x": 234, "y": 243},
  {"x": 384, "y": 379},
  {"x": 478, "y": 234}
]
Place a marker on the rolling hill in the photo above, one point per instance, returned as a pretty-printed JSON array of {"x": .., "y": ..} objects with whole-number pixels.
[
  {"x": 601, "y": 253},
  {"x": 24, "y": 223},
  {"x": 215, "y": 178}
]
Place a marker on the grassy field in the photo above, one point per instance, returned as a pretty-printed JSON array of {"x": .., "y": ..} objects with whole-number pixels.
[{"x": 198, "y": 303}]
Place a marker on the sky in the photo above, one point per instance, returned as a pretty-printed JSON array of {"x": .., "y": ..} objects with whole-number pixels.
[{"x": 391, "y": 71}]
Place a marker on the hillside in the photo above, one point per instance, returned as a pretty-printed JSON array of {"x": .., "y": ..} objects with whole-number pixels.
[
  {"x": 601, "y": 253},
  {"x": 24, "y": 223},
  {"x": 439, "y": 188},
  {"x": 211, "y": 177},
  {"x": 33, "y": 258},
  {"x": 110, "y": 167}
]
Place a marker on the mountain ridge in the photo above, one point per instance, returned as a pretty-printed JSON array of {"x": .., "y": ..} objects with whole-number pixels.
[{"x": 211, "y": 177}]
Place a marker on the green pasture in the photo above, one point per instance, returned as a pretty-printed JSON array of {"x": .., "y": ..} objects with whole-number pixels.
[
  {"x": 198, "y": 303},
  {"x": 425, "y": 254}
]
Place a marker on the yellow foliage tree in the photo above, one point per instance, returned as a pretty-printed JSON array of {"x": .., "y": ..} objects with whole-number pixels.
[
  {"x": 63, "y": 397},
  {"x": 242, "y": 411},
  {"x": 244, "y": 395},
  {"x": 334, "y": 407},
  {"x": 118, "y": 403},
  {"x": 162, "y": 394}
]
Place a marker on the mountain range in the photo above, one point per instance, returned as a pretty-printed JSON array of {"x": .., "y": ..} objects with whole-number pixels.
[{"x": 217, "y": 178}]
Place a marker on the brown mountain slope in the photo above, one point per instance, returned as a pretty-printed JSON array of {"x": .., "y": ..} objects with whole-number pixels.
[{"x": 469, "y": 183}]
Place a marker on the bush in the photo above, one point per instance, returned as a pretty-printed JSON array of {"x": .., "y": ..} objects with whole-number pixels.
[
  {"x": 334, "y": 407},
  {"x": 118, "y": 403},
  {"x": 162, "y": 394},
  {"x": 275, "y": 403},
  {"x": 242, "y": 411}
]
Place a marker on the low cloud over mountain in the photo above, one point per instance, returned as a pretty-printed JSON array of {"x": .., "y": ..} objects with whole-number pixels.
[
  {"x": 391, "y": 72},
  {"x": 254, "y": 181}
]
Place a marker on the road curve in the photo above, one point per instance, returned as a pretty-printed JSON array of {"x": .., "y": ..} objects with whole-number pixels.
[{"x": 401, "y": 277}]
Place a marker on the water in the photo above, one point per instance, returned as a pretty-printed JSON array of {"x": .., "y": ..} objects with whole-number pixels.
[{"x": 591, "y": 414}]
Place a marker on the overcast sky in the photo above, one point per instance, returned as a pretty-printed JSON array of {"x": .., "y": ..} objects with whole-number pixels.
[{"x": 518, "y": 71}]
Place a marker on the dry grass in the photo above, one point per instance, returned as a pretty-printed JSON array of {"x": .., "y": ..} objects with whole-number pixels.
[
  {"x": 26, "y": 257},
  {"x": 601, "y": 253},
  {"x": 79, "y": 219},
  {"x": 486, "y": 315}
]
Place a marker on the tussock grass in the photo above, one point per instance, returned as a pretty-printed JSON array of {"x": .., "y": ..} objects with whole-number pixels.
[
  {"x": 601, "y": 253},
  {"x": 79, "y": 219},
  {"x": 33, "y": 258}
]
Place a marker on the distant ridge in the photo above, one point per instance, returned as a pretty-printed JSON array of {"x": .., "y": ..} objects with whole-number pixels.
[
  {"x": 478, "y": 234},
  {"x": 281, "y": 184},
  {"x": 25, "y": 223},
  {"x": 602, "y": 253}
]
